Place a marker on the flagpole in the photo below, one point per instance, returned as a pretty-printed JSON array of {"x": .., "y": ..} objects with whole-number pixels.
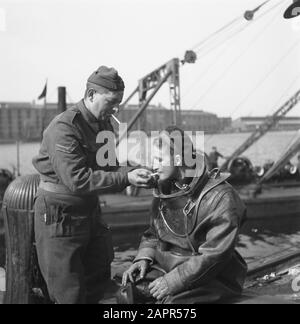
[
  {"x": 43, "y": 120},
  {"x": 44, "y": 111},
  {"x": 18, "y": 158}
]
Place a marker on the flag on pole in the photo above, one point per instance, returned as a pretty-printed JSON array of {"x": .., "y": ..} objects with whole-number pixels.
[{"x": 44, "y": 93}]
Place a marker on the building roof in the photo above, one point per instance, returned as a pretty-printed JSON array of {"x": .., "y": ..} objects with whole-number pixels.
[
  {"x": 28, "y": 105},
  {"x": 11, "y": 104},
  {"x": 253, "y": 119},
  {"x": 197, "y": 112},
  {"x": 151, "y": 107}
]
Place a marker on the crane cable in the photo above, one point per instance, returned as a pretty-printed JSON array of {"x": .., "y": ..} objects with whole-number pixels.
[
  {"x": 218, "y": 56},
  {"x": 272, "y": 110},
  {"x": 202, "y": 74},
  {"x": 228, "y": 25},
  {"x": 224, "y": 41},
  {"x": 240, "y": 30},
  {"x": 261, "y": 16},
  {"x": 278, "y": 102},
  {"x": 223, "y": 74},
  {"x": 243, "y": 101},
  {"x": 275, "y": 106},
  {"x": 219, "y": 31}
]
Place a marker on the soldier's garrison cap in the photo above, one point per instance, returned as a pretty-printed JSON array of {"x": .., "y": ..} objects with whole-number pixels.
[{"x": 107, "y": 78}]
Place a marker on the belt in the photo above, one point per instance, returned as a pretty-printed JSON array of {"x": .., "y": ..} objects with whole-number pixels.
[{"x": 56, "y": 188}]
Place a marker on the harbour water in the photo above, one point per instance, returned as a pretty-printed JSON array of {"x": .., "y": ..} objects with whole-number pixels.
[{"x": 269, "y": 147}]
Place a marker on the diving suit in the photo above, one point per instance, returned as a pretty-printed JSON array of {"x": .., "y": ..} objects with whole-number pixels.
[{"x": 191, "y": 244}]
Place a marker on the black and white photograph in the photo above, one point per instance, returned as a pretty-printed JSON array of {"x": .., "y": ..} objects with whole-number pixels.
[{"x": 149, "y": 154}]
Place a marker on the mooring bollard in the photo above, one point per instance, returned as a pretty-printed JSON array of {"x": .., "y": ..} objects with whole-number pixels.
[
  {"x": 6, "y": 177},
  {"x": 24, "y": 283}
]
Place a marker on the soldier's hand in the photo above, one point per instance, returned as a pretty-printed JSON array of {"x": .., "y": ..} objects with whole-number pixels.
[
  {"x": 137, "y": 268},
  {"x": 140, "y": 178}
]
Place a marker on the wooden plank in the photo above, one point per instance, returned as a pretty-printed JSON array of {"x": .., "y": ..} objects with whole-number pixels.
[
  {"x": 19, "y": 226},
  {"x": 274, "y": 263},
  {"x": 275, "y": 205}
]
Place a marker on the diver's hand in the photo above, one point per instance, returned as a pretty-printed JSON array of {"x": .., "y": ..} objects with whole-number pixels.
[
  {"x": 159, "y": 288},
  {"x": 137, "y": 268},
  {"x": 140, "y": 178}
]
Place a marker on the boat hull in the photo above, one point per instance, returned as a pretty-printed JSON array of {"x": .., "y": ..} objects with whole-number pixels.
[{"x": 274, "y": 210}]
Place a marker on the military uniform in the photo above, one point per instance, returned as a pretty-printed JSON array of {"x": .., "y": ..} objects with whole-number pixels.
[{"x": 73, "y": 244}]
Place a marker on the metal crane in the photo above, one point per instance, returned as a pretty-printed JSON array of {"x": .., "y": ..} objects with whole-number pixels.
[
  {"x": 264, "y": 128},
  {"x": 169, "y": 72},
  {"x": 249, "y": 14}
]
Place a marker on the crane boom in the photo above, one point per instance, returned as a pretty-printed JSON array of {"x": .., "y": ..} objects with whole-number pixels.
[
  {"x": 154, "y": 81},
  {"x": 264, "y": 128}
]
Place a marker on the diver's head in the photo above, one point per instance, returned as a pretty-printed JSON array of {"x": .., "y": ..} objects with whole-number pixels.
[{"x": 172, "y": 149}]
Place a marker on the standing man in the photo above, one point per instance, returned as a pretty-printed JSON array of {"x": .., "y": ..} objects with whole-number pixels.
[
  {"x": 73, "y": 244},
  {"x": 213, "y": 158}
]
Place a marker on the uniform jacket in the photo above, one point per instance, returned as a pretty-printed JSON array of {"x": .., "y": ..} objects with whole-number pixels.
[
  {"x": 197, "y": 246},
  {"x": 68, "y": 154}
]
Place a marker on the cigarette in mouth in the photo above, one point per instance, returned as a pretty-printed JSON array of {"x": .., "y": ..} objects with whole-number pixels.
[
  {"x": 154, "y": 174},
  {"x": 116, "y": 119}
]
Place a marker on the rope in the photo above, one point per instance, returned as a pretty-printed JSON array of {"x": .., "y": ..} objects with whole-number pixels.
[
  {"x": 202, "y": 74},
  {"x": 275, "y": 106},
  {"x": 218, "y": 57},
  {"x": 236, "y": 33},
  {"x": 243, "y": 101},
  {"x": 227, "y": 26},
  {"x": 272, "y": 110},
  {"x": 236, "y": 59},
  {"x": 241, "y": 29},
  {"x": 216, "y": 33}
]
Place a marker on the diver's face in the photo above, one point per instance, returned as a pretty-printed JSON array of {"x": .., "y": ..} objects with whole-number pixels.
[{"x": 163, "y": 163}]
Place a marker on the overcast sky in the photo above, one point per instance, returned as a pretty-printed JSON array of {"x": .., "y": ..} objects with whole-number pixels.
[{"x": 65, "y": 41}]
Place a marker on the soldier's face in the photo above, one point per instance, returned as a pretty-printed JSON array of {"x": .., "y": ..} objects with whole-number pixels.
[{"x": 108, "y": 103}]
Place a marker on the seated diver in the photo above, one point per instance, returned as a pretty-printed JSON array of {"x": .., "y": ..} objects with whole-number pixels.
[{"x": 188, "y": 253}]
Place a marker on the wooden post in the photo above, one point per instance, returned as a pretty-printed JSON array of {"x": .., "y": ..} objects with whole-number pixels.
[{"x": 62, "y": 103}]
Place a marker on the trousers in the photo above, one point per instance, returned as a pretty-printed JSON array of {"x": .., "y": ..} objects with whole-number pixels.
[{"x": 74, "y": 247}]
